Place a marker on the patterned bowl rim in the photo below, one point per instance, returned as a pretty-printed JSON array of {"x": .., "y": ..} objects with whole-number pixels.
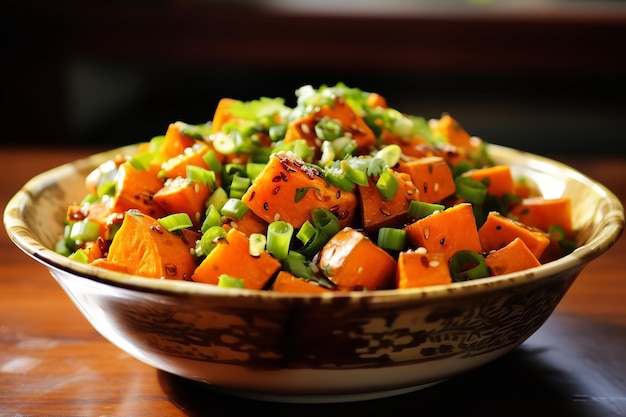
[{"x": 607, "y": 233}]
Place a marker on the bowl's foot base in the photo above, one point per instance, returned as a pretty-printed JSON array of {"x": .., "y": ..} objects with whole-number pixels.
[{"x": 321, "y": 398}]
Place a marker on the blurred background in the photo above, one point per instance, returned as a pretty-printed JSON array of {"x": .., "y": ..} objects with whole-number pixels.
[{"x": 543, "y": 76}]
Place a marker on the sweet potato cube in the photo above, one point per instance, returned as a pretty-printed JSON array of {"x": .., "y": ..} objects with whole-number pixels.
[
  {"x": 431, "y": 175},
  {"x": 287, "y": 189},
  {"x": 352, "y": 261},
  {"x": 222, "y": 113},
  {"x": 447, "y": 231},
  {"x": 181, "y": 195},
  {"x": 498, "y": 231},
  {"x": 143, "y": 247},
  {"x": 421, "y": 269},
  {"x": 511, "y": 258},
  {"x": 135, "y": 189},
  {"x": 376, "y": 211},
  {"x": 233, "y": 258},
  {"x": 543, "y": 213},
  {"x": 498, "y": 177},
  {"x": 286, "y": 282},
  {"x": 175, "y": 142},
  {"x": 352, "y": 124}
]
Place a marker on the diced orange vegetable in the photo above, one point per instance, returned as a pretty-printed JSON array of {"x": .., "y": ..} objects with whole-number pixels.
[
  {"x": 352, "y": 261},
  {"x": 222, "y": 113},
  {"x": 135, "y": 189},
  {"x": 286, "y": 282},
  {"x": 287, "y": 189},
  {"x": 431, "y": 175},
  {"x": 177, "y": 166},
  {"x": 513, "y": 257},
  {"x": 376, "y": 211},
  {"x": 234, "y": 259},
  {"x": 455, "y": 133},
  {"x": 498, "y": 231},
  {"x": 248, "y": 224},
  {"x": 420, "y": 269},
  {"x": 498, "y": 178},
  {"x": 352, "y": 123},
  {"x": 543, "y": 213},
  {"x": 375, "y": 100},
  {"x": 143, "y": 247},
  {"x": 182, "y": 195},
  {"x": 175, "y": 142},
  {"x": 447, "y": 231}
]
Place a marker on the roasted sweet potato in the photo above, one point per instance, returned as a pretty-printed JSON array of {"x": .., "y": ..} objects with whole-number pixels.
[
  {"x": 287, "y": 189},
  {"x": 222, "y": 114},
  {"x": 513, "y": 257},
  {"x": 233, "y": 258},
  {"x": 543, "y": 213},
  {"x": 431, "y": 175},
  {"x": 352, "y": 124},
  {"x": 175, "y": 142},
  {"x": 446, "y": 232},
  {"x": 498, "y": 179},
  {"x": 143, "y": 247},
  {"x": 352, "y": 261},
  {"x": 135, "y": 189},
  {"x": 376, "y": 211},
  {"x": 498, "y": 231},
  {"x": 181, "y": 195},
  {"x": 286, "y": 282},
  {"x": 420, "y": 269}
]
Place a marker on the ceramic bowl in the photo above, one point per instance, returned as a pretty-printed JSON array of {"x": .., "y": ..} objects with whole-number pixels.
[{"x": 316, "y": 348}]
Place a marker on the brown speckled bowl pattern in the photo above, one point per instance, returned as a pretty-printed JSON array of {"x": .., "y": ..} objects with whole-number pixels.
[{"x": 330, "y": 347}]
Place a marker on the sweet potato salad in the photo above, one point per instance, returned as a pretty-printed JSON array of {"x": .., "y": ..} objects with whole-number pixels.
[{"x": 340, "y": 192}]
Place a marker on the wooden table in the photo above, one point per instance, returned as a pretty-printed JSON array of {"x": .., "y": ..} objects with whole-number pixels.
[{"x": 52, "y": 362}]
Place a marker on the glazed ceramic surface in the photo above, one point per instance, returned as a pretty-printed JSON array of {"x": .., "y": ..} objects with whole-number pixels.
[{"x": 328, "y": 347}]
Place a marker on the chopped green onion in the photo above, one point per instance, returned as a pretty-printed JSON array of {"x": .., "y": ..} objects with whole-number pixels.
[
  {"x": 470, "y": 190},
  {"x": 80, "y": 256},
  {"x": 213, "y": 218},
  {"x": 254, "y": 169},
  {"x": 218, "y": 198},
  {"x": 84, "y": 231},
  {"x": 335, "y": 176},
  {"x": 325, "y": 220},
  {"x": 277, "y": 132},
  {"x": 461, "y": 167},
  {"x": 279, "y": 238},
  {"x": 328, "y": 154},
  {"x": 421, "y": 209},
  {"x": 106, "y": 188},
  {"x": 387, "y": 184},
  {"x": 210, "y": 159},
  {"x": 234, "y": 208},
  {"x": 328, "y": 128},
  {"x": 390, "y": 238},
  {"x": 209, "y": 240},
  {"x": 256, "y": 244},
  {"x": 228, "y": 281},
  {"x": 141, "y": 161},
  {"x": 390, "y": 154},
  {"x": 355, "y": 175},
  {"x": 176, "y": 221},
  {"x": 466, "y": 265},
  {"x": 239, "y": 186},
  {"x": 201, "y": 175},
  {"x": 306, "y": 232},
  {"x": 224, "y": 143}
]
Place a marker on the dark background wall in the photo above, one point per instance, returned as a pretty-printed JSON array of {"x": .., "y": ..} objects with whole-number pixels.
[{"x": 547, "y": 78}]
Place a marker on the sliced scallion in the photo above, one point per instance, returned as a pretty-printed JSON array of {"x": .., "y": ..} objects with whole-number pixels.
[
  {"x": 228, "y": 281},
  {"x": 210, "y": 159},
  {"x": 176, "y": 221},
  {"x": 387, "y": 184},
  {"x": 390, "y": 238},
  {"x": 328, "y": 128},
  {"x": 84, "y": 231},
  {"x": 256, "y": 245},
  {"x": 421, "y": 209},
  {"x": 466, "y": 265},
  {"x": 233, "y": 207},
  {"x": 390, "y": 154},
  {"x": 213, "y": 218},
  {"x": 201, "y": 175},
  {"x": 279, "y": 238},
  {"x": 209, "y": 240},
  {"x": 470, "y": 190}
]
